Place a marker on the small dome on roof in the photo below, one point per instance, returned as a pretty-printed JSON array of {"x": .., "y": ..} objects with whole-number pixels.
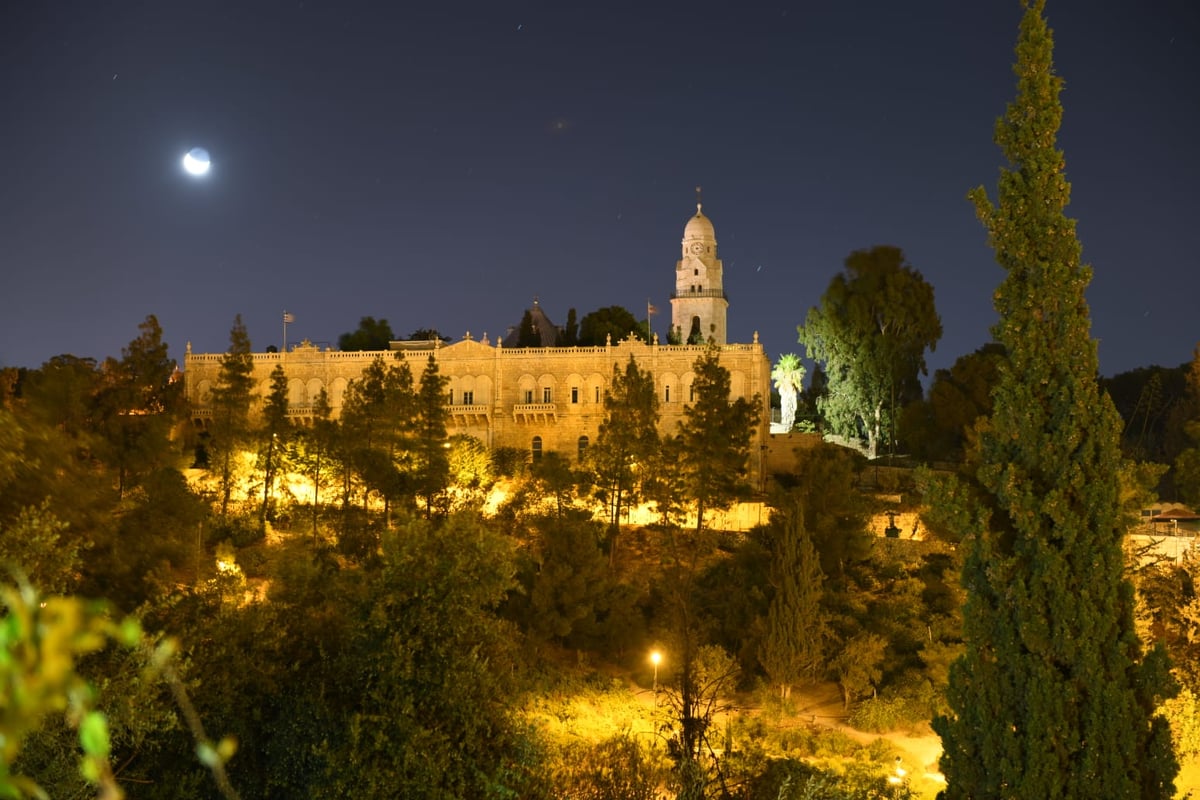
[{"x": 699, "y": 227}]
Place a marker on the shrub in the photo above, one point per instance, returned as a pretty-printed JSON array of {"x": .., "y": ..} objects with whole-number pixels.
[{"x": 241, "y": 531}]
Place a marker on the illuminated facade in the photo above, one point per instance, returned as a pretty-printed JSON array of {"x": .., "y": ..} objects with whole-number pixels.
[
  {"x": 698, "y": 303},
  {"x": 537, "y": 398}
]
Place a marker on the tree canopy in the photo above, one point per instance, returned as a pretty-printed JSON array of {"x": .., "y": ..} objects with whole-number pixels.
[
  {"x": 937, "y": 427},
  {"x": 1187, "y": 463},
  {"x": 427, "y": 335},
  {"x": 714, "y": 440},
  {"x": 616, "y": 322},
  {"x": 230, "y": 401},
  {"x": 871, "y": 331},
  {"x": 627, "y": 438},
  {"x": 1053, "y": 697},
  {"x": 371, "y": 334}
]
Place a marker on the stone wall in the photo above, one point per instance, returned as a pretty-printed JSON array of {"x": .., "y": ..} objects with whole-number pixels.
[
  {"x": 544, "y": 398},
  {"x": 786, "y": 450}
]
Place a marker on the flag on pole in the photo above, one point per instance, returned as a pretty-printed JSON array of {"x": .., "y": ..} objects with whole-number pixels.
[
  {"x": 288, "y": 318},
  {"x": 651, "y": 309}
]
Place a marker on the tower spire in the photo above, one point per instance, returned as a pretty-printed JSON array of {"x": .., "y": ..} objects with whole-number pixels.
[{"x": 698, "y": 201}]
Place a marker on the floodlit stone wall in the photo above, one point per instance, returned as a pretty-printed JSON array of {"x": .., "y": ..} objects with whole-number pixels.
[{"x": 547, "y": 398}]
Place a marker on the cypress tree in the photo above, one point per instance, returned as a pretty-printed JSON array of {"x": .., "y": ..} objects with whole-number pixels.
[
  {"x": 527, "y": 334},
  {"x": 1053, "y": 697},
  {"x": 793, "y": 641}
]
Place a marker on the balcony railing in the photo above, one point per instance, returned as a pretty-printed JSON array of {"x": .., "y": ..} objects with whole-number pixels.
[
  {"x": 466, "y": 414},
  {"x": 700, "y": 293},
  {"x": 528, "y": 411}
]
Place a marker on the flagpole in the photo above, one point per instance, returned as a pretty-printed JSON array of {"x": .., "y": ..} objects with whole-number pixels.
[{"x": 285, "y": 319}]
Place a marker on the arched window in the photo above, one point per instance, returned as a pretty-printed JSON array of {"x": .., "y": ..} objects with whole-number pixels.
[
  {"x": 583, "y": 445},
  {"x": 537, "y": 448},
  {"x": 666, "y": 394}
]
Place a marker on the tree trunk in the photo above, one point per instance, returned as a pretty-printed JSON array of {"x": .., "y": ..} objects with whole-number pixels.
[
  {"x": 316, "y": 494},
  {"x": 268, "y": 479}
]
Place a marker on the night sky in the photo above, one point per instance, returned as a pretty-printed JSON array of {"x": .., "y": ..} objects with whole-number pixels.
[{"x": 440, "y": 164}]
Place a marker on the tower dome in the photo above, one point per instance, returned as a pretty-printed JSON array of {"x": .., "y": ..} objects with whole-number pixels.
[
  {"x": 699, "y": 227},
  {"x": 698, "y": 303}
]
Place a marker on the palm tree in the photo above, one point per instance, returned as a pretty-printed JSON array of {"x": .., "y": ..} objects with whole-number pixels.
[{"x": 788, "y": 376}]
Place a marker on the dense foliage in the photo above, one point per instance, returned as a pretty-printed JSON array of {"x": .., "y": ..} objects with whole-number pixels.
[
  {"x": 371, "y": 334},
  {"x": 1053, "y": 697},
  {"x": 337, "y": 614},
  {"x": 870, "y": 333}
]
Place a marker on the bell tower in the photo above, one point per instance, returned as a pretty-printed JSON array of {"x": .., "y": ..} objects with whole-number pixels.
[{"x": 698, "y": 304}]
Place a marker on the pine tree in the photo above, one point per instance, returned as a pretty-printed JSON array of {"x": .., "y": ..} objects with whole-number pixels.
[
  {"x": 138, "y": 406},
  {"x": 378, "y": 414},
  {"x": 1053, "y": 697},
  {"x": 433, "y": 461},
  {"x": 274, "y": 431},
  {"x": 320, "y": 441},
  {"x": 627, "y": 438},
  {"x": 230, "y": 404},
  {"x": 715, "y": 438}
]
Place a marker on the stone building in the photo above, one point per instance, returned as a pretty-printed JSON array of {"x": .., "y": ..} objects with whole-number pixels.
[
  {"x": 538, "y": 398},
  {"x": 698, "y": 303}
]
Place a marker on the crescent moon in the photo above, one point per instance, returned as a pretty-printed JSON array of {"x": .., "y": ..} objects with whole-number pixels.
[{"x": 196, "y": 161}]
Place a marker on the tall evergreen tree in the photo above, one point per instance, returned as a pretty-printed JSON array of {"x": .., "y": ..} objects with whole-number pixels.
[
  {"x": 378, "y": 413},
  {"x": 527, "y": 334},
  {"x": 627, "y": 438},
  {"x": 138, "y": 406},
  {"x": 321, "y": 438},
  {"x": 433, "y": 459},
  {"x": 230, "y": 403},
  {"x": 274, "y": 433},
  {"x": 1053, "y": 697},
  {"x": 715, "y": 439},
  {"x": 570, "y": 331},
  {"x": 792, "y": 646}
]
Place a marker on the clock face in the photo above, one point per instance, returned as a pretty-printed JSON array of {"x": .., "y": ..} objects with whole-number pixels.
[{"x": 697, "y": 248}]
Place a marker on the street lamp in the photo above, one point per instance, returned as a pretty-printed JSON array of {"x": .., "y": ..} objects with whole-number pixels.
[{"x": 655, "y": 658}]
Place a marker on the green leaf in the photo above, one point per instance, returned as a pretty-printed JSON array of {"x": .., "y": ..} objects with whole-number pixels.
[{"x": 93, "y": 734}]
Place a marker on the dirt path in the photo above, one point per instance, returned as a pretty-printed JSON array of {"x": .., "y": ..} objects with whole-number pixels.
[{"x": 821, "y": 704}]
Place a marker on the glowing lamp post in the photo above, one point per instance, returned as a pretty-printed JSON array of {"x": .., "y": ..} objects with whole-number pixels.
[{"x": 655, "y": 659}]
